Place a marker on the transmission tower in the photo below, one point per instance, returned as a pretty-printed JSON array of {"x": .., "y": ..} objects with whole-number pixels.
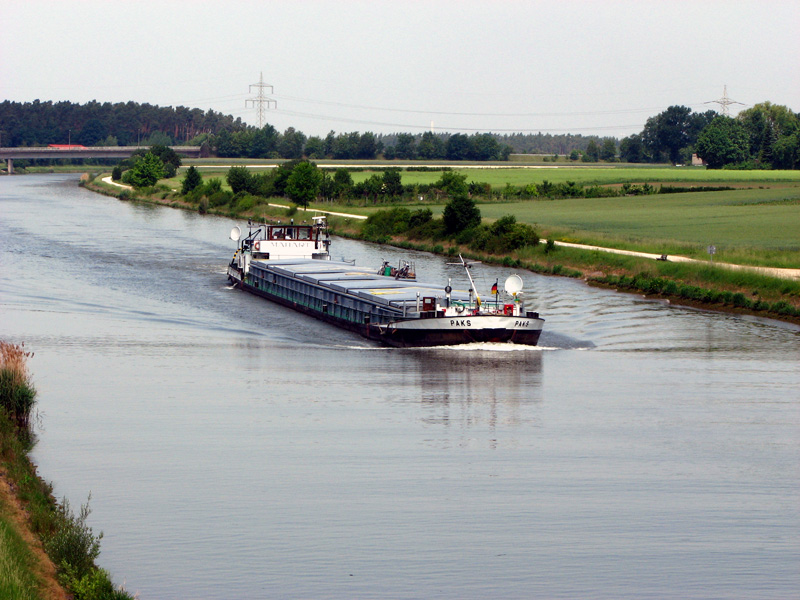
[
  {"x": 724, "y": 102},
  {"x": 261, "y": 101}
]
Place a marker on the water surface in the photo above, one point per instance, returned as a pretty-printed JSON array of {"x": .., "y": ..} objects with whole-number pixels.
[{"x": 236, "y": 449}]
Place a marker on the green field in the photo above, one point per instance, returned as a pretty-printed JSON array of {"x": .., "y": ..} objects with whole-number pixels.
[
  {"x": 605, "y": 176},
  {"x": 743, "y": 224},
  {"x": 586, "y": 175}
]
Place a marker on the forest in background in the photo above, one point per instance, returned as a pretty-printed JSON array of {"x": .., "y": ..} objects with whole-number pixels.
[
  {"x": 40, "y": 123},
  {"x": 764, "y": 136}
]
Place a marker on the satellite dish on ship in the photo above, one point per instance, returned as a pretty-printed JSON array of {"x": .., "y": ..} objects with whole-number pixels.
[
  {"x": 236, "y": 233},
  {"x": 513, "y": 284}
]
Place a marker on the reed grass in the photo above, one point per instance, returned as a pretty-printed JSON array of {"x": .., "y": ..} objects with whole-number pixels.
[{"x": 17, "y": 394}]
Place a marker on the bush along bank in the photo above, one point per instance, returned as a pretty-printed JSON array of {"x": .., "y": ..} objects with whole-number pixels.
[{"x": 66, "y": 538}]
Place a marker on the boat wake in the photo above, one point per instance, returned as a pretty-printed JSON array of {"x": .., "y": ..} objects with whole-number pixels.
[{"x": 486, "y": 347}]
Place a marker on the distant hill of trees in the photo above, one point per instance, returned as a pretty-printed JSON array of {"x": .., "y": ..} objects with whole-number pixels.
[
  {"x": 125, "y": 124},
  {"x": 764, "y": 136}
]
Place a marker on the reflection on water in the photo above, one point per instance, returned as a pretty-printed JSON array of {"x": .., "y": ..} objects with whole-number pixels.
[
  {"x": 469, "y": 388},
  {"x": 237, "y": 449}
]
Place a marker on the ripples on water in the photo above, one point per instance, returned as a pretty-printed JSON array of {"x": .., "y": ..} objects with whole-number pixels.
[{"x": 236, "y": 449}]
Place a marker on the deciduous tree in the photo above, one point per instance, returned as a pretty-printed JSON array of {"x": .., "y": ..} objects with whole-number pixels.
[
  {"x": 392, "y": 184},
  {"x": 291, "y": 144},
  {"x": 631, "y": 149},
  {"x": 460, "y": 213},
  {"x": 484, "y": 146},
  {"x": 431, "y": 147},
  {"x": 240, "y": 179},
  {"x": 367, "y": 147},
  {"x": 724, "y": 141},
  {"x": 452, "y": 183},
  {"x": 303, "y": 184},
  {"x": 265, "y": 143},
  {"x": 666, "y": 134},
  {"x": 315, "y": 147},
  {"x": 592, "y": 153},
  {"x": 608, "y": 151},
  {"x": 459, "y": 147},
  {"x": 146, "y": 172},
  {"x": 405, "y": 147}
]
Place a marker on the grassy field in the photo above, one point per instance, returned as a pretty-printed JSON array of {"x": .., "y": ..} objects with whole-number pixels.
[
  {"x": 757, "y": 226},
  {"x": 607, "y": 175}
]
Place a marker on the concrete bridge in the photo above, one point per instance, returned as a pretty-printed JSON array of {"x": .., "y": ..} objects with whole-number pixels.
[{"x": 120, "y": 152}]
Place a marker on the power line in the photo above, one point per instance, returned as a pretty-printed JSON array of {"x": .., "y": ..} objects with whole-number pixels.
[
  {"x": 476, "y": 114},
  {"x": 465, "y": 129}
]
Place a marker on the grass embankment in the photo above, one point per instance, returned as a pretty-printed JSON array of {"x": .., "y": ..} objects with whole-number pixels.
[
  {"x": 757, "y": 224},
  {"x": 46, "y": 551}
]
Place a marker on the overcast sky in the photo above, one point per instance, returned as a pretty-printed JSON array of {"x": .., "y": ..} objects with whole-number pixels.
[{"x": 559, "y": 66}]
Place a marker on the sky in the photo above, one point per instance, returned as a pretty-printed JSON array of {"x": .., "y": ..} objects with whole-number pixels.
[{"x": 557, "y": 66}]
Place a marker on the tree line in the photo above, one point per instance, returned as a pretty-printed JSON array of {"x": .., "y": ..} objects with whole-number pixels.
[
  {"x": 40, "y": 123},
  {"x": 105, "y": 124},
  {"x": 766, "y": 136}
]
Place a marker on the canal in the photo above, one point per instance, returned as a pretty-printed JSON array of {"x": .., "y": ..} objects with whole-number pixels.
[{"x": 236, "y": 449}]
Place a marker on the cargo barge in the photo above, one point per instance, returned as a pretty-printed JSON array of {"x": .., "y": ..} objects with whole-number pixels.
[{"x": 290, "y": 264}]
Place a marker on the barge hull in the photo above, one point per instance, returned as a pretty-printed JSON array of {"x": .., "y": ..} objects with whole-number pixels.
[{"x": 408, "y": 337}]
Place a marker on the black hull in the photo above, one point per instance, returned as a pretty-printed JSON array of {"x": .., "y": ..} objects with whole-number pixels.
[
  {"x": 422, "y": 339},
  {"x": 408, "y": 338}
]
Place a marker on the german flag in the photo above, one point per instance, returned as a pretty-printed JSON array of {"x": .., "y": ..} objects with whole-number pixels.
[{"x": 494, "y": 289}]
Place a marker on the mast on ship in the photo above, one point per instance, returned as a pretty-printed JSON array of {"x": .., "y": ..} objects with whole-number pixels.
[{"x": 466, "y": 266}]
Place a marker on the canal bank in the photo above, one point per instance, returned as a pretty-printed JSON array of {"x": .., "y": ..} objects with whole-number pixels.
[
  {"x": 26, "y": 566},
  {"x": 46, "y": 550}
]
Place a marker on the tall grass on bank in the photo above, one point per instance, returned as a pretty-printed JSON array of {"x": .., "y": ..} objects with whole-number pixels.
[
  {"x": 17, "y": 394},
  {"x": 17, "y": 579},
  {"x": 68, "y": 540}
]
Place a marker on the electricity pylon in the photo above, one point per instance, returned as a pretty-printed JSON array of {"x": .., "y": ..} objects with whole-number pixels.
[
  {"x": 261, "y": 101},
  {"x": 725, "y": 102}
]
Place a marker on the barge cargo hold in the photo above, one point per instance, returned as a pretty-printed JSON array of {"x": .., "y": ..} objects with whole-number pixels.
[{"x": 291, "y": 265}]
